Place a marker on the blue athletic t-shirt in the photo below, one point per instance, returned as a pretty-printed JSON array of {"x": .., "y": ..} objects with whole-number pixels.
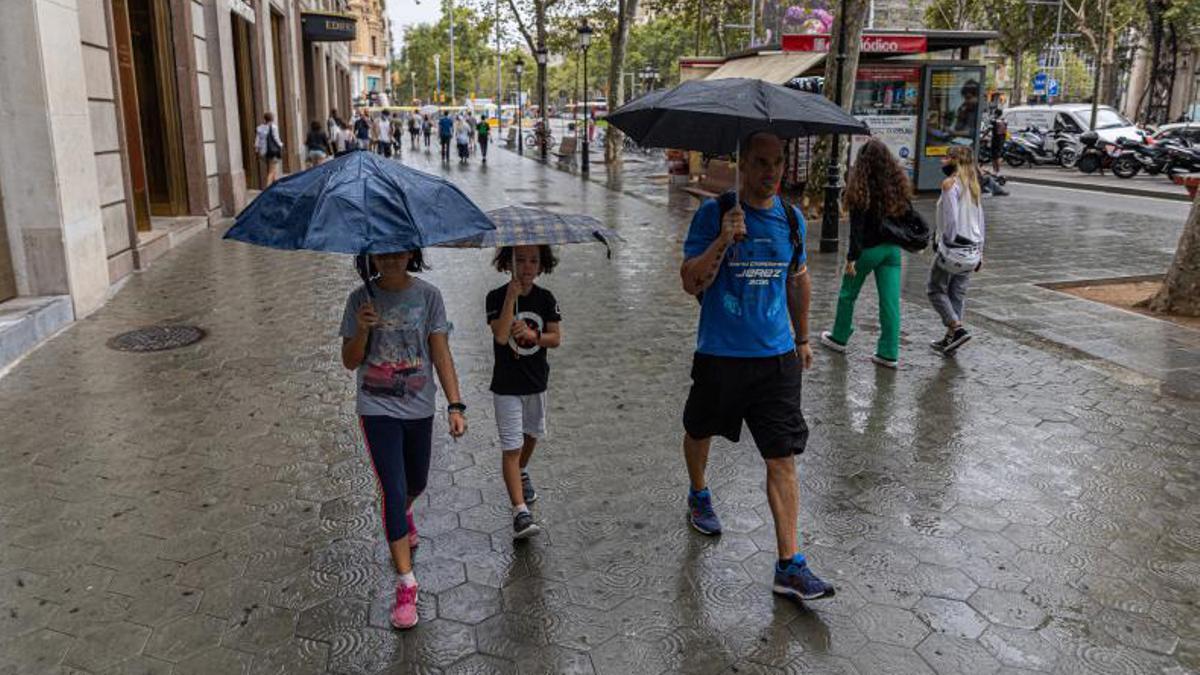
[{"x": 744, "y": 312}]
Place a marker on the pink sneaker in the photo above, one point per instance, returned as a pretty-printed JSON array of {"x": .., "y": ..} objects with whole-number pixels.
[
  {"x": 413, "y": 540},
  {"x": 404, "y": 614}
]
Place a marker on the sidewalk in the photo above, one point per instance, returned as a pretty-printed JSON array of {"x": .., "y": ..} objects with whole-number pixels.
[
  {"x": 1140, "y": 185},
  {"x": 211, "y": 510}
]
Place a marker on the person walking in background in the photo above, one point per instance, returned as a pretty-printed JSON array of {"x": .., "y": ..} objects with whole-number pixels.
[
  {"x": 316, "y": 144},
  {"x": 426, "y": 130},
  {"x": 445, "y": 133},
  {"x": 362, "y": 129},
  {"x": 398, "y": 137},
  {"x": 482, "y": 131},
  {"x": 999, "y": 135},
  {"x": 381, "y": 133},
  {"x": 343, "y": 138},
  {"x": 959, "y": 245},
  {"x": 462, "y": 138},
  {"x": 877, "y": 189},
  {"x": 269, "y": 146},
  {"x": 414, "y": 129},
  {"x": 471, "y": 123},
  {"x": 332, "y": 124}
]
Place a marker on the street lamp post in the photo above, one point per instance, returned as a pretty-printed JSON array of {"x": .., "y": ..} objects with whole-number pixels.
[
  {"x": 832, "y": 214},
  {"x": 585, "y": 40},
  {"x": 540, "y": 54},
  {"x": 519, "y": 67}
]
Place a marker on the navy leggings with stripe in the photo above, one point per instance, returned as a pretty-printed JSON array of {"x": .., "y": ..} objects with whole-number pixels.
[{"x": 400, "y": 451}]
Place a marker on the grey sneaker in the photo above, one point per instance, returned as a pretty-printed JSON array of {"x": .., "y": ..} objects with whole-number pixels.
[
  {"x": 527, "y": 488},
  {"x": 523, "y": 526}
]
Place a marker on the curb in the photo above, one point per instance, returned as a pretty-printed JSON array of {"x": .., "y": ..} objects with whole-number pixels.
[{"x": 1108, "y": 189}]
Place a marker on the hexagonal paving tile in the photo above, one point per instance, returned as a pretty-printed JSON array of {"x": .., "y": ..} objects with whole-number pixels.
[
  {"x": 215, "y": 660},
  {"x": 107, "y": 645},
  {"x": 469, "y": 603},
  {"x": 260, "y": 629},
  {"x": 183, "y": 637},
  {"x": 950, "y": 655},
  {"x": 890, "y": 625},
  {"x": 950, "y": 617},
  {"x": 1009, "y": 609}
]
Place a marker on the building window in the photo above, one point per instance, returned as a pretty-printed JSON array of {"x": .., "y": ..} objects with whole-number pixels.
[{"x": 373, "y": 52}]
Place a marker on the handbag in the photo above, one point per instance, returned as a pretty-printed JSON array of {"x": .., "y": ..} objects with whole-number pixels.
[
  {"x": 909, "y": 231},
  {"x": 961, "y": 257}
]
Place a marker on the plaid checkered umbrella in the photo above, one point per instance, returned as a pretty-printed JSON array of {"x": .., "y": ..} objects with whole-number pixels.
[{"x": 526, "y": 226}]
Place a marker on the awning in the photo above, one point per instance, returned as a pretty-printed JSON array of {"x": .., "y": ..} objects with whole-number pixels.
[{"x": 773, "y": 68}]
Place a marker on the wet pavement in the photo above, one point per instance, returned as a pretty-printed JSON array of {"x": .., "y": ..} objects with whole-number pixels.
[{"x": 210, "y": 509}]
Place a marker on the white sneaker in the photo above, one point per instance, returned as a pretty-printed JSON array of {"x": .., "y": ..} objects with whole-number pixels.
[
  {"x": 880, "y": 361},
  {"x": 828, "y": 342}
]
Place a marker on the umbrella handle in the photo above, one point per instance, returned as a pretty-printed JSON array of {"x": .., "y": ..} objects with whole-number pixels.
[{"x": 516, "y": 304}]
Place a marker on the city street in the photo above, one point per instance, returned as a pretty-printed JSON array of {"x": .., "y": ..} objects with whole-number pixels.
[{"x": 1030, "y": 506}]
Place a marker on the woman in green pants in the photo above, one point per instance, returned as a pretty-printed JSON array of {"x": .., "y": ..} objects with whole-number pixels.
[{"x": 878, "y": 188}]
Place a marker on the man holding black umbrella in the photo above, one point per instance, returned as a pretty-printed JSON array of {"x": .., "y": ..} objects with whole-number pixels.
[{"x": 745, "y": 260}]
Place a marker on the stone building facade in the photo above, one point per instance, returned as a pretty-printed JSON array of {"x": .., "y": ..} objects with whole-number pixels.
[
  {"x": 371, "y": 50},
  {"x": 131, "y": 126}
]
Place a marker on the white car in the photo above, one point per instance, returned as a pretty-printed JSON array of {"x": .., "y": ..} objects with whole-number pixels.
[
  {"x": 1187, "y": 131},
  {"x": 1073, "y": 118}
]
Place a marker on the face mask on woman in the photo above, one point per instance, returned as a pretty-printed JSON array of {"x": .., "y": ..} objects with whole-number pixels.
[{"x": 949, "y": 169}]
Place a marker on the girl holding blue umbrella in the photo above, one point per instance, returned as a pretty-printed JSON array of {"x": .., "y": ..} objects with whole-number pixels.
[{"x": 395, "y": 337}]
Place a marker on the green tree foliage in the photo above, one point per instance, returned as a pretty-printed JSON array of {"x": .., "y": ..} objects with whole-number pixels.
[
  {"x": 1023, "y": 28},
  {"x": 474, "y": 56}
]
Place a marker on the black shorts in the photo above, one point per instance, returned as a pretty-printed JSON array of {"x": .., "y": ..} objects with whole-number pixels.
[{"x": 763, "y": 392}]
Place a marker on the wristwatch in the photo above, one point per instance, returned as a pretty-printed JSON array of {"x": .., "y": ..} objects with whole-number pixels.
[{"x": 458, "y": 407}]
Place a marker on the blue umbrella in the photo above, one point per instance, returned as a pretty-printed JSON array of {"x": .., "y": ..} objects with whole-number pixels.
[{"x": 359, "y": 203}]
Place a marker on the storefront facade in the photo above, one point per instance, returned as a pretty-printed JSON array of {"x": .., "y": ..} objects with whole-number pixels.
[{"x": 135, "y": 121}]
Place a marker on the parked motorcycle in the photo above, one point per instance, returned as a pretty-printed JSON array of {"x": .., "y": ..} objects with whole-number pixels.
[
  {"x": 1138, "y": 156},
  {"x": 1181, "y": 157}
]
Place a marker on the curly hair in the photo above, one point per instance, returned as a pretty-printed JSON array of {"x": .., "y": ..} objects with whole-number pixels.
[
  {"x": 546, "y": 259},
  {"x": 878, "y": 183}
]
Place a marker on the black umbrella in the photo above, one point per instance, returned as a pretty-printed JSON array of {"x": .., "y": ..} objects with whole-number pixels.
[{"x": 712, "y": 116}]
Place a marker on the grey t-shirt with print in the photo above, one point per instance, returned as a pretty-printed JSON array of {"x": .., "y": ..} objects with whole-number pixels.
[{"x": 396, "y": 378}]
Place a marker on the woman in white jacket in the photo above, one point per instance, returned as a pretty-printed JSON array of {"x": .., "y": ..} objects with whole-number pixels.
[
  {"x": 958, "y": 248},
  {"x": 269, "y": 146}
]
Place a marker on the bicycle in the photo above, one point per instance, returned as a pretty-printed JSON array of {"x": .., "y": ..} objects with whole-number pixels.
[{"x": 539, "y": 136}]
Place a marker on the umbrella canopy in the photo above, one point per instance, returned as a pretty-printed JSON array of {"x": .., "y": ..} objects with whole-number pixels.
[
  {"x": 359, "y": 203},
  {"x": 712, "y": 116},
  {"x": 526, "y": 226},
  {"x": 428, "y": 110}
]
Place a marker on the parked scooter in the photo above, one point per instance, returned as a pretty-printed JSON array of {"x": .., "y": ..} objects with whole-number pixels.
[
  {"x": 1028, "y": 147},
  {"x": 1097, "y": 154}
]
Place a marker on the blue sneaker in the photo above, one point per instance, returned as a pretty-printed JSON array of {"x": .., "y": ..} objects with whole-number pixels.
[
  {"x": 797, "y": 581},
  {"x": 701, "y": 514}
]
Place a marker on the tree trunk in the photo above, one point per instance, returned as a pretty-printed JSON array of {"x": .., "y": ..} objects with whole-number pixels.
[
  {"x": 819, "y": 159},
  {"x": 1108, "y": 83},
  {"x": 1180, "y": 292},
  {"x": 619, "y": 40},
  {"x": 1018, "y": 93}
]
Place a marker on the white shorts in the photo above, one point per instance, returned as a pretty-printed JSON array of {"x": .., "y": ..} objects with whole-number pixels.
[{"x": 517, "y": 416}]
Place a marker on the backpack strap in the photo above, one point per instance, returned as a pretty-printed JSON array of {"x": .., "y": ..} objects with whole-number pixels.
[{"x": 793, "y": 235}]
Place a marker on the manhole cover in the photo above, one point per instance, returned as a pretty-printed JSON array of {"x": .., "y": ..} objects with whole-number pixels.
[{"x": 156, "y": 338}]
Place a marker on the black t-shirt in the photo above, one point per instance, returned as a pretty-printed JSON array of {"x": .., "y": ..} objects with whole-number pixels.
[{"x": 526, "y": 371}]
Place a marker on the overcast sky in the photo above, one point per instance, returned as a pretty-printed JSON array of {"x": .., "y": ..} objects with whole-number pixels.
[{"x": 407, "y": 12}]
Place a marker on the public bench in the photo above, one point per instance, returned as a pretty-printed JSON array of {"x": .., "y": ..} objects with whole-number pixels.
[
  {"x": 566, "y": 150},
  {"x": 511, "y": 138},
  {"x": 718, "y": 178}
]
